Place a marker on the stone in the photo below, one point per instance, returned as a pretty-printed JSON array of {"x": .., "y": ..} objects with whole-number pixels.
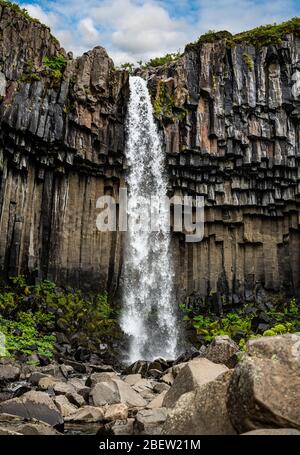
[
  {"x": 100, "y": 377},
  {"x": 47, "y": 382},
  {"x": 265, "y": 385},
  {"x": 62, "y": 388},
  {"x": 129, "y": 396},
  {"x": 116, "y": 412},
  {"x": 86, "y": 414},
  {"x": 196, "y": 372},
  {"x": 132, "y": 379},
  {"x": 76, "y": 398},
  {"x": 122, "y": 427},
  {"x": 222, "y": 350},
  {"x": 202, "y": 411},
  {"x": 168, "y": 378},
  {"x": 38, "y": 429},
  {"x": 160, "y": 387},
  {"x": 157, "y": 401},
  {"x": 138, "y": 367},
  {"x": 64, "y": 406},
  {"x": 273, "y": 432},
  {"x": 35, "y": 377},
  {"x": 34, "y": 405},
  {"x": 7, "y": 432},
  {"x": 9, "y": 373},
  {"x": 105, "y": 393},
  {"x": 150, "y": 421}
]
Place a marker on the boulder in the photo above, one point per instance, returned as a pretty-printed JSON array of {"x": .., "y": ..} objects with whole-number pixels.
[
  {"x": 38, "y": 428},
  {"x": 122, "y": 427},
  {"x": 160, "y": 387},
  {"x": 87, "y": 414},
  {"x": 168, "y": 378},
  {"x": 62, "y": 388},
  {"x": 150, "y": 421},
  {"x": 94, "y": 378},
  {"x": 105, "y": 393},
  {"x": 132, "y": 379},
  {"x": 116, "y": 412},
  {"x": 7, "y": 432},
  {"x": 202, "y": 411},
  {"x": 47, "y": 382},
  {"x": 36, "y": 376},
  {"x": 64, "y": 406},
  {"x": 140, "y": 366},
  {"x": 195, "y": 373},
  {"x": 265, "y": 386},
  {"x": 128, "y": 395},
  {"x": 273, "y": 432},
  {"x": 34, "y": 405},
  {"x": 76, "y": 399},
  {"x": 157, "y": 402},
  {"x": 9, "y": 373},
  {"x": 222, "y": 350}
]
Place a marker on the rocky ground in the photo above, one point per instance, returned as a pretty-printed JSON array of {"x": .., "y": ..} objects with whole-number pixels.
[{"x": 217, "y": 390}]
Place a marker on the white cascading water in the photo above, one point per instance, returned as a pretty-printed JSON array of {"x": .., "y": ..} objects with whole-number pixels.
[{"x": 149, "y": 310}]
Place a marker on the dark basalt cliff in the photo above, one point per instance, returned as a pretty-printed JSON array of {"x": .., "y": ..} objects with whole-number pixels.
[{"x": 229, "y": 118}]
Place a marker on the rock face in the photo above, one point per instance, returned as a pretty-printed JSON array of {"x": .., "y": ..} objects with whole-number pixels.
[
  {"x": 265, "y": 387},
  {"x": 231, "y": 134}
]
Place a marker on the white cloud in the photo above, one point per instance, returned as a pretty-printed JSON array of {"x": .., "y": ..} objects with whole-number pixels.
[
  {"x": 88, "y": 31},
  {"x": 140, "y": 29},
  {"x": 37, "y": 12}
]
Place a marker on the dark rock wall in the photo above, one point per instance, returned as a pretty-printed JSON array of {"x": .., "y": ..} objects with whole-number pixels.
[{"x": 229, "y": 118}]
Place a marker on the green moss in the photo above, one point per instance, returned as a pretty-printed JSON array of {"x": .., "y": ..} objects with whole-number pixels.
[
  {"x": 55, "y": 65},
  {"x": 260, "y": 36},
  {"x": 164, "y": 104},
  {"x": 30, "y": 73},
  {"x": 249, "y": 61}
]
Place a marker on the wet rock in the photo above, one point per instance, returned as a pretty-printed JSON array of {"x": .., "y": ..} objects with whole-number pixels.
[
  {"x": 139, "y": 367},
  {"x": 150, "y": 421},
  {"x": 116, "y": 391},
  {"x": 35, "y": 377},
  {"x": 202, "y": 411},
  {"x": 195, "y": 373},
  {"x": 34, "y": 405}
]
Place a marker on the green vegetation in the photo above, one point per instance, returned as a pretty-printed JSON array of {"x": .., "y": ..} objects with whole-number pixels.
[
  {"x": 239, "y": 325},
  {"x": 55, "y": 65},
  {"x": 159, "y": 61},
  {"x": 30, "y": 73},
  {"x": 31, "y": 314},
  {"x": 15, "y": 7},
  {"x": 249, "y": 61},
  {"x": 164, "y": 104},
  {"x": 258, "y": 37}
]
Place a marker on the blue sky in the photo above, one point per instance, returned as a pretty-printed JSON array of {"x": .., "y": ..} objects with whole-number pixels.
[{"x": 133, "y": 30}]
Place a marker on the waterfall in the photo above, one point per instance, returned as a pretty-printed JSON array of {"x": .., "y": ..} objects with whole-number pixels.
[{"x": 149, "y": 308}]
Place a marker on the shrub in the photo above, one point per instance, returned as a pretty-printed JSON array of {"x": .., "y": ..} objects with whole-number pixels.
[
  {"x": 159, "y": 61},
  {"x": 31, "y": 313},
  {"x": 239, "y": 324},
  {"x": 55, "y": 65},
  {"x": 19, "y": 10}
]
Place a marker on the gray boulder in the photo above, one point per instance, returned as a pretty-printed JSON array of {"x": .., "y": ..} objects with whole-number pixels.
[
  {"x": 150, "y": 421},
  {"x": 203, "y": 411},
  {"x": 195, "y": 373},
  {"x": 34, "y": 405}
]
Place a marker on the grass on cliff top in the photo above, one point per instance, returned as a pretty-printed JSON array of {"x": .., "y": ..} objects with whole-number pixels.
[
  {"x": 260, "y": 36},
  {"x": 15, "y": 7}
]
